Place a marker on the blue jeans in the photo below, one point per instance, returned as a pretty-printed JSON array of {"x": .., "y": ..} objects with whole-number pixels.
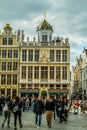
[{"x": 38, "y": 119}]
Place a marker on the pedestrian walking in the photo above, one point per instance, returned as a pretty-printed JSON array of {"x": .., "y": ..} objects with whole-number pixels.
[
  {"x": 17, "y": 106},
  {"x": 2, "y": 102},
  {"x": 49, "y": 108},
  {"x": 38, "y": 110},
  {"x": 7, "y": 111},
  {"x": 61, "y": 109},
  {"x": 77, "y": 105}
]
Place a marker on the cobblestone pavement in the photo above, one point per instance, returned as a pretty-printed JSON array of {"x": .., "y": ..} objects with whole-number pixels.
[{"x": 75, "y": 122}]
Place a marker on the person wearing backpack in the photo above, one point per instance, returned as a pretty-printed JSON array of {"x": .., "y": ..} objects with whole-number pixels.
[
  {"x": 16, "y": 109},
  {"x": 7, "y": 111}
]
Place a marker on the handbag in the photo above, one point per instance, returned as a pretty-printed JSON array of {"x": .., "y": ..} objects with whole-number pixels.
[{"x": 5, "y": 107}]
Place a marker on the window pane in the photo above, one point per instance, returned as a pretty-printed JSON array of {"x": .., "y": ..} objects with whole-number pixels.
[
  {"x": 9, "y": 79},
  {"x": 36, "y": 73},
  {"x": 51, "y": 72},
  {"x": 10, "y": 41},
  {"x": 4, "y": 41},
  {"x": 23, "y": 86},
  {"x": 30, "y": 55},
  {"x": 58, "y": 73},
  {"x": 44, "y": 38},
  {"x": 58, "y": 55},
  {"x": 9, "y": 65},
  {"x": 57, "y": 86},
  {"x": 15, "y": 66},
  {"x": 30, "y": 73},
  {"x": 3, "y": 65},
  {"x": 3, "y": 53},
  {"x": 24, "y": 55},
  {"x": 23, "y": 72},
  {"x": 15, "y": 53},
  {"x": 64, "y": 55},
  {"x": 3, "y": 79},
  {"x": 36, "y": 55},
  {"x": 51, "y": 86},
  {"x": 64, "y": 72},
  {"x": 44, "y": 72},
  {"x": 51, "y": 55},
  {"x": 14, "y": 79},
  {"x": 9, "y": 53}
]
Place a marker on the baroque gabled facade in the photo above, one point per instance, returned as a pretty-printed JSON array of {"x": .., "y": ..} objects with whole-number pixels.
[
  {"x": 9, "y": 62},
  {"x": 40, "y": 66}
]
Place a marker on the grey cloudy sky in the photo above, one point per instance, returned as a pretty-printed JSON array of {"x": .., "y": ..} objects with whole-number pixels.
[{"x": 68, "y": 18}]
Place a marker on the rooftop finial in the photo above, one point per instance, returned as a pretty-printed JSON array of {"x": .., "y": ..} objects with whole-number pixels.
[{"x": 44, "y": 14}]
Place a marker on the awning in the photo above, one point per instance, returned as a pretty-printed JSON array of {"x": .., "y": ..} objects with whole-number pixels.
[
  {"x": 28, "y": 91},
  {"x": 54, "y": 92}
]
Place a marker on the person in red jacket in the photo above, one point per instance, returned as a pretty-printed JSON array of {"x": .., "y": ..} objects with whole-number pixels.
[{"x": 77, "y": 104}]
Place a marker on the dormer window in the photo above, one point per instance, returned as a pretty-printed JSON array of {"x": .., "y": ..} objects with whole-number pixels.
[{"x": 44, "y": 38}]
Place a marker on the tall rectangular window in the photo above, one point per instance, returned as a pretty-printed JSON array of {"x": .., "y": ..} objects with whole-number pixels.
[
  {"x": 23, "y": 86},
  {"x": 64, "y": 55},
  {"x": 24, "y": 55},
  {"x": 64, "y": 72},
  {"x": 3, "y": 79},
  {"x": 51, "y": 86},
  {"x": 51, "y": 72},
  {"x": 58, "y": 55},
  {"x": 58, "y": 73},
  {"x": 14, "y": 79},
  {"x": 10, "y": 41},
  {"x": 44, "y": 38},
  {"x": 8, "y": 78},
  {"x": 3, "y": 66},
  {"x": 30, "y": 73},
  {"x": 4, "y": 41},
  {"x": 9, "y": 53},
  {"x": 51, "y": 55},
  {"x": 4, "y": 53},
  {"x": 15, "y": 65},
  {"x": 15, "y": 53},
  {"x": 44, "y": 72},
  {"x": 30, "y": 55},
  {"x": 23, "y": 72},
  {"x": 36, "y": 73},
  {"x": 36, "y": 55},
  {"x": 9, "y": 65}
]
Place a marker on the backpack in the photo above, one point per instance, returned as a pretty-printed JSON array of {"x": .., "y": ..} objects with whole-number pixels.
[
  {"x": 15, "y": 108},
  {"x": 5, "y": 107}
]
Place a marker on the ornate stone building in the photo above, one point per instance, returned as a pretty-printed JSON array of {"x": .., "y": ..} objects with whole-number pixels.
[
  {"x": 80, "y": 75},
  {"x": 45, "y": 64}
]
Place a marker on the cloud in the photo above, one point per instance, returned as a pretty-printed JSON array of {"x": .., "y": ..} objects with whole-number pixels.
[{"x": 68, "y": 18}]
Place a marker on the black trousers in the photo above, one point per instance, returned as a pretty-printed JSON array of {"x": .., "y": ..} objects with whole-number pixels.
[{"x": 17, "y": 115}]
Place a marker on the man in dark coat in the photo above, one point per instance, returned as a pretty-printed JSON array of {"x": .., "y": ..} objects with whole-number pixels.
[{"x": 38, "y": 110}]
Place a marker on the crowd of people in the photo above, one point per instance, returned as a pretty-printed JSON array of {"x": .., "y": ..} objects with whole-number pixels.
[{"x": 51, "y": 106}]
